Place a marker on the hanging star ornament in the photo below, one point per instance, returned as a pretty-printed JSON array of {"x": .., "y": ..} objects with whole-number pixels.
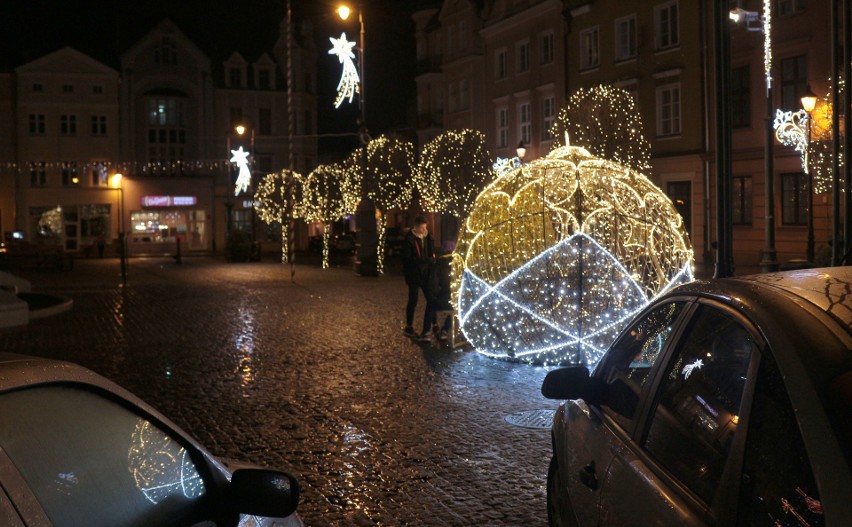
[
  {"x": 350, "y": 82},
  {"x": 244, "y": 177}
]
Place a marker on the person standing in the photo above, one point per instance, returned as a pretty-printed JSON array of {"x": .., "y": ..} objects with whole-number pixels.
[{"x": 418, "y": 252}]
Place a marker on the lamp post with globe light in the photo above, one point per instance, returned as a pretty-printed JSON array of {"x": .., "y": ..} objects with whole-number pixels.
[
  {"x": 809, "y": 99},
  {"x": 116, "y": 183}
]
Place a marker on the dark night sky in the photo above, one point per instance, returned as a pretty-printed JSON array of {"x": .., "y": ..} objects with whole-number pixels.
[{"x": 104, "y": 29}]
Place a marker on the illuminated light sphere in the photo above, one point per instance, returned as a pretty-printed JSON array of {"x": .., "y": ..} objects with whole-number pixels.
[{"x": 558, "y": 254}]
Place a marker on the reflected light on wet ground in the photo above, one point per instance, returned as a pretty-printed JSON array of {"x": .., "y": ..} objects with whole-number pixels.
[{"x": 244, "y": 347}]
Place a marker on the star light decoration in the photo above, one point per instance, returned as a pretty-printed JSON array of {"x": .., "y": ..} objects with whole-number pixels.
[
  {"x": 240, "y": 157},
  {"x": 557, "y": 254},
  {"x": 350, "y": 82}
]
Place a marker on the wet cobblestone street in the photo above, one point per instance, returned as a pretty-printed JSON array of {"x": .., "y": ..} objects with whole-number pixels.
[{"x": 313, "y": 377}]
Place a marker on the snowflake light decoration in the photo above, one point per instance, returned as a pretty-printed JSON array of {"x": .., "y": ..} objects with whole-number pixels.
[
  {"x": 350, "y": 82},
  {"x": 791, "y": 130},
  {"x": 559, "y": 253}
]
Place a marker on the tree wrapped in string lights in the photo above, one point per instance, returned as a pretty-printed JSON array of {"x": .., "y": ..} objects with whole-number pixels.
[
  {"x": 557, "y": 254},
  {"x": 277, "y": 199},
  {"x": 454, "y": 168},
  {"x": 328, "y": 195},
  {"x": 820, "y": 153},
  {"x": 605, "y": 120},
  {"x": 384, "y": 175}
]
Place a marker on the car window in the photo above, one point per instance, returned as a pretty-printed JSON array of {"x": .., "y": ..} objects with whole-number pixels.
[
  {"x": 698, "y": 401},
  {"x": 89, "y": 460},
  {"x": 778, "y": 486},
  {"x": 626, "y": 367}
]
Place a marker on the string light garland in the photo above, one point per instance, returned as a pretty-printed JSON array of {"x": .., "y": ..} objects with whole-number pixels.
[
  {"x": 605, "y": 120},
  {"x": 454, "y": 168},
  {"x": 328, "y": 195},
  {"x": 278, "y": 199},
  {"x": 350, "y": 82},
  {"x": 820, "y": 150},
  {"x": 384, "y": 174},
  {"x": 557, "y": 254}
]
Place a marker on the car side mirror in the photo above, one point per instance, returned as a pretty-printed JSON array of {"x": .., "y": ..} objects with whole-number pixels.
[
  {"x": 263, "y": 492},
  {"x": 572, "y": 382}
]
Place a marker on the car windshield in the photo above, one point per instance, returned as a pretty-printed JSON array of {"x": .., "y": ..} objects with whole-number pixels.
[{"x": 90, "y": 460}]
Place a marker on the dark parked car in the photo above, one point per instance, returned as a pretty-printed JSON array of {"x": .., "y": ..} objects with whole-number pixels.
[
  {"x": 75, "y": 449},
  {"x": 724, "y": 403}
]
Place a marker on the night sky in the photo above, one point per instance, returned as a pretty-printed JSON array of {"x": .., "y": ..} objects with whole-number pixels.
[{"x": 104, "y": 29}]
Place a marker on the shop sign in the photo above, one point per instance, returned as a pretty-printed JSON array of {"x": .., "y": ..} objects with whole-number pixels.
[{"x": 168, "y": 201}]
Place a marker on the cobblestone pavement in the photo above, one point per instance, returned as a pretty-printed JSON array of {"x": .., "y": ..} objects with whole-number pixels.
[{"x": 314, "y": 377}]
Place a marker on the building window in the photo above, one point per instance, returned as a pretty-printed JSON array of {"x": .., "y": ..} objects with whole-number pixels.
[
  {"x": 166, "y": 129},
  {"x": 37, "y": 124},
  {"x": 589, "y": 48},
  {"x": 69, "y": 173},
  {"x": 524, "y": 122},
  {"x": 668, "y": 109},
  {"x": 67, "y": 88},
  {"x": 789, "y": 7},
  {"x": 742, "y": 200},
  {"x": 100, "y": 175},
  {"x": 263, "y": 80},
  {"x": 236, "y": 77},
  {"x": 501, "y": 64},
  {"x": 523, "y": 50},
  {"x": 38, "y": 173},
  {"x": 740, "y": 97},
  {"x": 666, "y": 25},
  {"x": 548, "y": 112},
  {"x": 68, "y": 125},
  {"x": 794, "y": 199},
  {"x": 165, "y": 52},
  {"x": 502, "y": 128},
  {"x": 547, "y": 48},
  {"x": 38, "y": 87},
  {"x": 464, "y": 94},
  {"x": 625, "y": 38},
  {"x": 264, "y": 121},
  {"x": 99, "y": 125},
  {"x": 236, "y": 113},
  {"x": 794, "y": 82},
  {"x": 98, "y": 89}
]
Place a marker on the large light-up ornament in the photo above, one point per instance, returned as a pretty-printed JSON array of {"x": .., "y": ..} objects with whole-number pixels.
[
  {"x": 240, "y": 157},
  {"x": 791, "y": 130},
  {"x": 559, "y": 253},
  {"x": 350, "y": 82}
]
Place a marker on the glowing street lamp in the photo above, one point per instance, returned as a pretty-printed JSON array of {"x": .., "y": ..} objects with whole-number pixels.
[
  {"x": 809, "y": 100},
  {"x": 521, "y": 150}
]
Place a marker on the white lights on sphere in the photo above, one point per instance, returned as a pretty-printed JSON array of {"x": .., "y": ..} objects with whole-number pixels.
[{"x": 559, "y": 253}]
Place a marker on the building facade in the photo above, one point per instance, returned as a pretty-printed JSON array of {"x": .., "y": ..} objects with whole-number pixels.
[
  {"x": 165, "y": 121},
  {"x": 524, "y": 58}
]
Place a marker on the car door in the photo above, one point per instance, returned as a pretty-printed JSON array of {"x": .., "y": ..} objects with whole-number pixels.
[
  {"x": 591, "y": 436},
  {"x": 681, "y": 465}
]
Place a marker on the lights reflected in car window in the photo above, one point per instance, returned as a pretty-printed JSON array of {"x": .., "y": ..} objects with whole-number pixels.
[{"x": 160, "y": 466}]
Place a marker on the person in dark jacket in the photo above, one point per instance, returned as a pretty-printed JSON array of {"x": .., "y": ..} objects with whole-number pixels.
[{"x": 418, "y": 254}]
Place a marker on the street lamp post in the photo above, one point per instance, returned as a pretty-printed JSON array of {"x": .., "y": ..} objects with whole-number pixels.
[
  {"x": 116, "y": 183},
  {"x": 808, "y": 103},
  {"x": 240, "y": 130},
  {"x": 365, "y": 215}
]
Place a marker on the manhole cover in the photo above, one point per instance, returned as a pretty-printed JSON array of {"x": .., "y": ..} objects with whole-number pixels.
[{"x": 532, "y": 418}]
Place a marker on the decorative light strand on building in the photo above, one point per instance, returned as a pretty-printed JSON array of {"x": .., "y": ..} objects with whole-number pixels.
[
  {"x": 350, "y": 82},
  {"x": 557, "y": 254},
  {"x": 767, "y": 43}
]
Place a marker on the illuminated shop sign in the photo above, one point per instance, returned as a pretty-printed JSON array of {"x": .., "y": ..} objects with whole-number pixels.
[{"x": 168, "y": 201}]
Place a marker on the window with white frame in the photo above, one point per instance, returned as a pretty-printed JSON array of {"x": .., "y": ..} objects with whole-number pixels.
[
  {"x": 69, "y": 173},
  {"x": 548, "y": 113},
  {"x": 788, "y": 7},
  {"x": 100, "y": 174},
  {"x": 668, "y": 109},
  {"x": 666, "y": 25},
  {"x": 547, "y": 48},
  {"x": 625, "y": 38},
  {"x": 38, "y": 173},
  {"x": 523, "y": 50},
  {"x": 589, "y": 48},
  {"x": 166, "y": 51},
  {"x": 501, "y": 64},
  {"x": 68, "y": 124},
  {"x": 502, "y": 127},
  {"x": 524, "y": 122}
]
